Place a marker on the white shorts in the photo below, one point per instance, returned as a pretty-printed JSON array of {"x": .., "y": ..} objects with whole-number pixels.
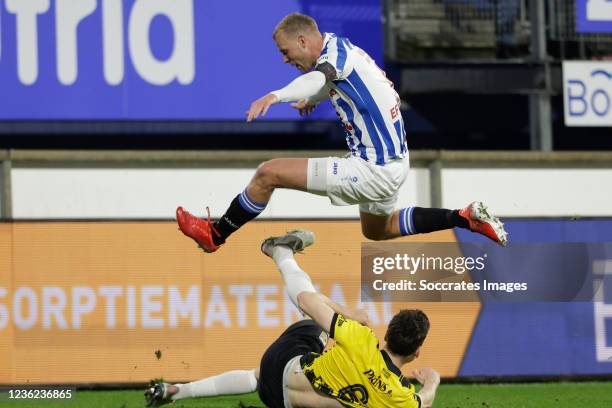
[
  {"x": 351, "y": 180},
  {"x": 292, "y": 366}
]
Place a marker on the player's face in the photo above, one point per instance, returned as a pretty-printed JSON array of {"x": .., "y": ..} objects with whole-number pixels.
[{"x": 294, "y": 50}]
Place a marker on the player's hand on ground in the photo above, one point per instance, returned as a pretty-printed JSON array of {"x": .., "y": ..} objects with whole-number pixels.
[
  {"x": 426, "y": 375},
  {"x": 260, "y": 107},
  {"x": 303, "y": 107}
]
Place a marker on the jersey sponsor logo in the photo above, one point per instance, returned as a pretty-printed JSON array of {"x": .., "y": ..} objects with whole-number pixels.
[
  {"x": 377, "y": 382},
  {"x": 395, "y": 112}
]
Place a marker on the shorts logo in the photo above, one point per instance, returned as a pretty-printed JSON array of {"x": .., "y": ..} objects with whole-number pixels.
[
  {"x": 335, "y": 168},
  {"x": 354, "y": 179}
]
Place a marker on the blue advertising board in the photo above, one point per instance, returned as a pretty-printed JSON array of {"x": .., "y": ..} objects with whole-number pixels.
[
  {"x": 155, "y": 59},
  {"x": 548, "y": 338},
  {"x": 594, "y": 16}
]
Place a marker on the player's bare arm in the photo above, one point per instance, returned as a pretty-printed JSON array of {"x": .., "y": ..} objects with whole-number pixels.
[
  {"x": 430, "y": 380},
  {"x": 260, "y": 107},
  {"x": 313, "y": 305},
  {"x": 322, "y": 309}
]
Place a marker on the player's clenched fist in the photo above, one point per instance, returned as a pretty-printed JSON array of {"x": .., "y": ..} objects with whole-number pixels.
[{"x": 261, "y": 106}]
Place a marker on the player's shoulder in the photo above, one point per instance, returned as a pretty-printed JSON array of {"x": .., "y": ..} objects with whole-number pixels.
[
  {"x": 357, "y": 331},
  {"x": 336, "y": 54},
  {"x": 334, "y": 44}
]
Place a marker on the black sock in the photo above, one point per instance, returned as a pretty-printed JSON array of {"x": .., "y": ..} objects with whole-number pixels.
[
  {"x": 425, "y": 220},
  {"x": 236, "y": 216}
]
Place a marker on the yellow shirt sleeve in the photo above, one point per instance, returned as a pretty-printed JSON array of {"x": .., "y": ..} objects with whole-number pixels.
[{"x": 345, "y": 331}]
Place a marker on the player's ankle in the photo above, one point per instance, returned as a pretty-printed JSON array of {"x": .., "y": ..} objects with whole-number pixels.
[
  {"x": 281, "y": 253},
  {"x": 217, "y": 239},
  {"x": 457, "y": 220},
  {"x": 179, "y": 391}
]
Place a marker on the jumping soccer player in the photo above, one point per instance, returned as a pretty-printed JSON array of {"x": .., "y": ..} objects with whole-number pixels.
[
  {"x": 378, "y": 164},
  {"x": 295, "y": 372}
]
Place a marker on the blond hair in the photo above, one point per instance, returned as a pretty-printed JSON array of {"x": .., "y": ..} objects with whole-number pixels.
[{"x": 295, "y": 23}]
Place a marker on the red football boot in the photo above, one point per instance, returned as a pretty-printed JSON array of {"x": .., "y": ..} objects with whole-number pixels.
[
  {"x": 483, "y": 223},
  {"x": 197, "y": 229}
]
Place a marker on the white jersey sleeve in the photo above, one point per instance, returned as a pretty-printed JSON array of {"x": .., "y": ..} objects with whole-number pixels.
[{"x": 305, "y": 86}]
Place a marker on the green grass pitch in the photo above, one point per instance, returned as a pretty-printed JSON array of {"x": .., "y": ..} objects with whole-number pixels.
[{"x": 536, "y": 395}]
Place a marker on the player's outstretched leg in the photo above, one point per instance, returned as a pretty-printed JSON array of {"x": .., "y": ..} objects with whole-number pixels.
[
  {"x": 159, "y": 394},
  {"x": 416, "y": 220},
  {"x": 208, "y": 235},
  {"x": 281, "y": 250},
  {"x": 233, "y": 382},
  {"x": 270, "y": 175},
  {"x": 296, "y": 240}
]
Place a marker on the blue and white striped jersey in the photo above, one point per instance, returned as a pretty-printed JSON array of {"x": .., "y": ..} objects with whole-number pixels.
[{"x": 365, "y": 101}]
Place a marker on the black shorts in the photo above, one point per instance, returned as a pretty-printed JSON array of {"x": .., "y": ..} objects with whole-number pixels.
[{"x": 299, "y": 338}]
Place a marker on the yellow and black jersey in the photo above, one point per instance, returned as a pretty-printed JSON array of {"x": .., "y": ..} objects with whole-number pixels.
[{"x": 356, "y": 372}]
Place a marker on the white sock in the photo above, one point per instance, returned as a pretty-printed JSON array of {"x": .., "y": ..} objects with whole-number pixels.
[
  {"x": 296, "y": 280},
  {"x": 228, "y": 383}
]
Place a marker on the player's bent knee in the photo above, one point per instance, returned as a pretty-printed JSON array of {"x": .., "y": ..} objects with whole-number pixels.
[
  {"x": 378, "y": 229},
  {"x": 266, "y": 175},
  {"x": 374, "y": 235}
]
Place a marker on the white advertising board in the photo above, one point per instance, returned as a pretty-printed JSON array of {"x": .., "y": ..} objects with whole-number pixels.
[{"x": 587, "y": 93}]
